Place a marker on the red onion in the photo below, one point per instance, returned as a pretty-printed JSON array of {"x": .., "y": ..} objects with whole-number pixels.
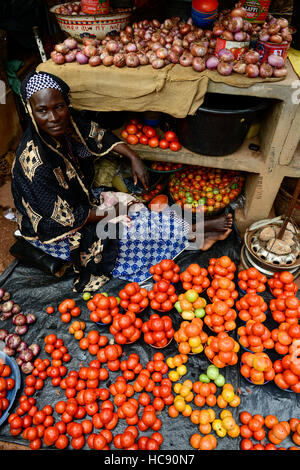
[
  {"x": 35, "y": 348},
  {"x": 27, "y": 367},
  {"x": 265, "y": 70},
  {"x": 70, "y": 43},
  {"x": 155, "y": 37},
  {"x": 286, "y": 35},
  {"x": 161, "y": 53},
  {"x": 95, "y": 60},
  {"x": 58, "y": 58},
  {"x": 119, "y": 60},
  {"x": 129, "y": 29},
  {"x": 225, "y": 55},
  {"x": 2, "y": 292},
  {"x": 89, "y": 50},
  {"x": 9, "y": 351},
  {"x": 61, "y": 48},
  {"x": 130, "y": 47},
  {"x": 81, "y": 58},
  {"x": 239, "y": 67},
  {"x": 276, "y": 61},
  {"x": 239, "y": 11},
  {"x": 23, "y": 345},
  {"x": 185, "y": 29},
  {"x": 6, "y": 315},
  {"x": 224, "y": 68},
  {"x": 26, "y": 355},
  {"x": 132, "y": 60},
  {"x": 143, "y": 59},
  {"x": 7, "y": 306},
  {"x": 125, "y": 39},
  {"x": 252, "y": 70},
  {"x": 240, "y": 36},
  {"x": 158, "y": 63},
  {"x": 190, "y": 37},
  {"x": 30, "y": 318},
  {"x": 228, "y": 35},
  {"x": 90, "y": 42},
  {"x": 21, "y": 329},
  {"x": 276, "y": 39},
  {"x": 155, "y": 23},
  {"x": 186, "y": 59},
  {"x": 218, "y": 30},
  {"x": 70, "y": 57},
  {"x": 19, "y": 319},
  {"x": 3, "y": 334},
  {"x": 108, "y": 60},
  {"x": 198, "y": 64},
  {"x": 112, "y": 47},
  {"x": 173, "y": 57},
  {"x": 12, "y": 340},
  {"x": 251, "y": 57},
  {"x": 198, "y": 50},
  {"x": 280, "y": 73},
  {"x": 236, "y": 24},
  {"x": 155, "y": 46},
  {"x": 16, "y": 309},
  {"x": 274, "y": 29},
  {"x": 264, "y": 36},
  {"x": 212, "y": 63}
]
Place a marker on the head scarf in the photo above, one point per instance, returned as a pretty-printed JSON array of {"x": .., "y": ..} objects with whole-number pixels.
[{"x": 40, "y": 81}]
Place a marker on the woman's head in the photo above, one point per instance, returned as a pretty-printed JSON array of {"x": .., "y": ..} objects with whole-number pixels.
[{"x": 48, "y": 99}]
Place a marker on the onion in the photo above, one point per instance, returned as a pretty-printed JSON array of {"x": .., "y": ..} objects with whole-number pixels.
[
  {"x": 2, "y": 292},
  {"x": 81, "y": 58},
  {"x": 178, "y": 49},
  {"x": 228, "y": 35},
  {"x": 280, "y": 73},
  {"x": 252, "y": 70},
  {"x": 95, "y": 60},
  {"x": 7, "y": 306},
  {"x": 19, "y": 361},
  {"x": 276, "y": 61},
  {"x": 274, "y": 29},
  {"x": 21, "y": 329},
  {"x": 70, "y": 43},
  {"x": 58, "y": 58},
  {"x": 70, "y": 57},
  {"x": 251, "y": 57},
  {"x": 239, "y": 11},
  {"x": 35, "y": 348},
  {"x": 190, "y": 37},
  {"x": 186, "y": 59},
  {"x": 129, "y": 29},
  {"x": 9, "y": 351},
  {"x": 6, "y": 315},
  {"x": 132, "y": 60},
  {"x": 89, "y": 50},
  {"x": 225, "y": 55},
  {"x": 16, "y": 309},
  {"x": 143, "y": 58},
  {"x": 264, "y": 36},
  {"x": 155, "y": 46},
  {"x": 125, "y": 39},
  {"x": 198, "y": 50},
  {"x": 173, "y": 57},
  {"x": 3, "y": 334},
  {"x": 26, "y": 355},
  {"x": 61, "y": 48},
  {"x": 23, "y": 345},
  {"x": 161, "y": 53},
  {"x": 236, "y": 24},
  {"x": 265, "y": 70},
  {"x": 212, "y": 63},
  {"x": 218, "y": 30},
  {"x": 276, "y": 39},
  {"x": 240, "y": 36},
  {"x": 6, "y": 296},
  {"x": 224, "y": 68},
  {"x": 130, "y": 47},
  {"x": 198, "y": 64},
  {"x": 158, "y": 63},
  {"x": 108, "y": 60},
  {"x": 283, "y": 23},
  {"x": 239, "y": 67},
  {"x": 112, "y": 47},
  {"x": 19, "y": 319},
  {"x": 119, "y": 60},
  {"x": 27, "y": 367},
  {"x": 155, "y": 23},
  {"x": 185, "y": 29},
  {"x": 90, "y": 42},
  {"x": 30, "y": 318},
  {"x": 12, "y": 340}
]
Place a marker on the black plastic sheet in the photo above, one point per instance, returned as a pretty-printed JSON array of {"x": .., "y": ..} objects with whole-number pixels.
[{"x": 34, "y": 291}]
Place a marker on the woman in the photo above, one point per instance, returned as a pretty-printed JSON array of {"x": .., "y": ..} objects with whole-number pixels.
[{"x": 52, "y": 181}]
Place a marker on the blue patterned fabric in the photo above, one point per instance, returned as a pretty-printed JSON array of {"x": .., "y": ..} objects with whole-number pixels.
[{"x": 59, "y": 249}]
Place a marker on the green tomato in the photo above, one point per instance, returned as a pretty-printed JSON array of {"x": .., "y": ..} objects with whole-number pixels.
[
  {"x": 177, "y": 306},
  {"x": 86, "y": 296},
  {"x": 118, "y": 300},
  {"x": 105, "y": 294},
  {"x": 216, "y": 191},
  {"x": 204, "y": 378},
  {"x": 199, "y": 312},
  {"x": 220, "y": 380},
  {"x": 202, "y": 201},
  {"x": 191, "y": 295},
  {"x": 187, "y": 194},
  {"x": 189, "y": 199},
  {"x": 212, "y": 372}
]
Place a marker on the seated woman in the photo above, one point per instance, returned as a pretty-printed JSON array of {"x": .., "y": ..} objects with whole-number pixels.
[{"x": 52, "y": 180}]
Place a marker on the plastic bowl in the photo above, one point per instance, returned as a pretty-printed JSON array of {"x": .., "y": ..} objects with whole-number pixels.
[
  {"x": 15, "y": 374},
  {"x": 203, "y": 19},
  {"x": 284, "y": 389},
  {"x": 250, "y": 381},
  {"x": 160, "y": 347}
]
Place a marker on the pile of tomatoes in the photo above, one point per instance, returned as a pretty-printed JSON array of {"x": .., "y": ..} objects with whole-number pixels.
[
  {"x": 251, "y": 281},
  {"x": 222, "y": 350},
  {"x": 219, "y": 317},
  {"x": 167, "y": 269},
  {"x": 202, "y": 189},
  {"x": 154, "y": 192},
  {"x": 134, "y": 298},
  {"x": 165, "y": 166},
  {"x": 257, "y": 367},
  {"x": 282, "y": 284},
  {"x": 7, "y": 383},
  {"x": 286, "y": 337},
  {"x": 68, "y": 309},
  {"x": 162, "y": 296},
  {"x": 93, "y": 341},
  {"x": 131, "y": 366},
  {"x": 255, "y": 336},
  {"x": 221, "y": 267},
  {"x": 287, "y": 372},
  {"x": 103, "y": 308},
  {"x": 222, "y": 288},
  {"x": 195, "y": 277},
  {"x": 138, "y": 133},
  {"x": 158, "y": 331},
  {"x": 191, "y": 337},
  {"x": 126, "y": 328},
  {"x": 285, "y": 309},
  {"x": 252, "y": 307}
]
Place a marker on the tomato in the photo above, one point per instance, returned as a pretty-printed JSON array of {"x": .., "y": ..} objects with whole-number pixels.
[
  {"x": 170, "y": 136},
  {"x": 143, "y": 140},
  {"x": 149, "y": 131},
  {"x": 175, "y": 146},
  {"x": 153, "y": 142},
  {"x": 131, "y": 129},
  {"x": 164, "y": 144},
  {"x": 132, "y": 139}
]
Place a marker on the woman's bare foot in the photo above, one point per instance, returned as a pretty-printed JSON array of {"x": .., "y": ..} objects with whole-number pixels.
[
  {"x": 218, "y": 224},
  {"x": 210, "y": 238}
]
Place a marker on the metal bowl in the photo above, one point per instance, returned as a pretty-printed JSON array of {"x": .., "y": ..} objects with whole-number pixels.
[{"x": 94, "y": 26}]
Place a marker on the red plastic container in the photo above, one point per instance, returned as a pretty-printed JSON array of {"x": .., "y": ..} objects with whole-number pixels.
[
  {"x": 237, "y": 48},
  {"x": 257, "y": 10},
  {"x": 205, "y": 6},
  {"x": 95, "y": 7},
  {"x": 268, "y": 48}
]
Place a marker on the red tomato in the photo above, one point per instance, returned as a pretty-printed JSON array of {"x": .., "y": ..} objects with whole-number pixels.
[
  {"x": 163, "y": 143},
  {"x": 175, "y": 146},
  {"x": 153, "y": 142},
  {"x": 131, "y": 129},
  {"x": 150, "y": 132},
  {"x": 132, "y": 139},
  {"x": 143, "y": 140},
  {"x": 170, "y": 136}
]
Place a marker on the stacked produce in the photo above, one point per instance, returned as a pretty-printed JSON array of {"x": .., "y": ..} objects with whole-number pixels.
[
  {"x": 252, "y": 307},
  {"x": 282, "y": 284},
  {"x": 137, "y": 133},
  {"x": 167, "y": 269},
  {"x": 175, "y": 41},
  {"x": 251, "y": 281},
  {"x": 158, "y": 331},
  {"x": 133, "y": 298},
  {"x": 190, "y": 337},
  {"x": 7, "y": 383},
  {"x": 257, "y": 367},
  {"x": 285, "y": 309},
  {"x": 195, "y": 278},
  {"x": 190, "y": 305},
  {"x": 222, "y": 350},
  {"x": 103, "y": 308},
  {"x": 255, "y": 336},
  {"x": 162, "y": 296},
  {"x": 126, "y": 328}
]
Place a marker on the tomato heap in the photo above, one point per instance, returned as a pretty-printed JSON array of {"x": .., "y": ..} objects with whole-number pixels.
[
  {"x": 282, "y": 284},
  {"x": 259, "y": 428},
  {"x": 126, "y": 328},
  {"x": 202, "y": 189},
  {"x": 133, "y": 298},
  {"x": 154, "y": 192},
  {"x": 222, "y": 288},
  {"x": 7, "y": 383},
  {"x": 226, "y": 425},
  {"x": 166, "y": 269},
  {"x": 257, "y": 367},
  {"x": 251, "y": 281},
  {"x": 285, "y": 309},
  {"x": 205, "y": 393},
  {"x": 162, "y": 296},
  {"x": 165, "y": 166},
  {"x": 221, "y": 267},
  {"x": 190, "y": 305},
  {"x": 287, "y": 372},
  {"x": 285, "y": 337},
  {"x": 252, "y": 307},
  {"x": 131, "y": 366},
  {"x": 67, "y": 309},
  {"x": 255, "y": 336},
  {"x": 222, "y": 350},
  {"x": 158, "y": 331},
  {"x": 199, "y": 442},
  {"x": 59, "y": 354},
  {"x": 219, "y": 317},
  {"x": 93, "y": 342},
  {"x": 191, "y": 337},
  {"x": 195, "y": 277},
  {"x": 137, "y": 133},
  {"x": 103, "y": 308},
  {"x": 77, "y": 329}
]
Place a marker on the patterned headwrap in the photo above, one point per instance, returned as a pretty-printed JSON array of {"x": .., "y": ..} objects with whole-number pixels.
[{"x": 40, "y": 81}]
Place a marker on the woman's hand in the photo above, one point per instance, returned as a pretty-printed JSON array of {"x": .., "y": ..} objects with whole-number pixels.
[{"x": 139, "y": 172}]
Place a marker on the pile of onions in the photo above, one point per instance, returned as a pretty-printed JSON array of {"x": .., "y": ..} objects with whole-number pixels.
[
  {"x": 232, "y": 26},
  {"x": 69, "y": 8},
  {"x": 15, "y": 346},
  {"x": 276, "y": 31}
]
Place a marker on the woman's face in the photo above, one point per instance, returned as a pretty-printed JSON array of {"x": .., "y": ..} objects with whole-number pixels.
[{"x": 50, "y": 111}]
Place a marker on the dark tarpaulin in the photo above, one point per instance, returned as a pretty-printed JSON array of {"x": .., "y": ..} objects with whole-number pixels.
[{"x": 34, "y": 291}]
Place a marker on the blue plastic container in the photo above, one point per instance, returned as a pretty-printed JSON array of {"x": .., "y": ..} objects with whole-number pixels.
[
  {"x": 15, "y": 374},
  {"x": 203, "y": 20}
]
